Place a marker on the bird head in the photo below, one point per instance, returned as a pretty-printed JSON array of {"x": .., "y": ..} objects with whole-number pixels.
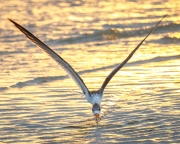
[{"x": 96, "y": 109}]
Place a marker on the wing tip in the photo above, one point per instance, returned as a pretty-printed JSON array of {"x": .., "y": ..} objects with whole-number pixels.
[
  {"x": 164, "y": 16},
  {"x": 16, "y": 24},
  {"x": 10, "y": 20}
]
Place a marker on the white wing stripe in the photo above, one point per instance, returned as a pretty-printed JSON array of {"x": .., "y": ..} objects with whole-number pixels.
[{"x": 70, "y": 71}]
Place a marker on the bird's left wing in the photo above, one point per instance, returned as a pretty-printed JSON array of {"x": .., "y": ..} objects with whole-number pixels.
[{"x": 109, "y": 77}]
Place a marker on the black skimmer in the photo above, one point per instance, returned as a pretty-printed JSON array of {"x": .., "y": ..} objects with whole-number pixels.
[{"x": 93, "y": 97}]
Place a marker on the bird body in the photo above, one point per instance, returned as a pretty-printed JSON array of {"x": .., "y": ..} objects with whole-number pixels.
[{"x": 94, "y": 97}]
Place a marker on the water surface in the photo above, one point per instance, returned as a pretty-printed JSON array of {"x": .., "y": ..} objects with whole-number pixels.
[{"x": 40, "y": 104}]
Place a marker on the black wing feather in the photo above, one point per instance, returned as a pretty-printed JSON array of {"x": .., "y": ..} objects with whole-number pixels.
[
  {"x": 109, "y": 77},
  {"x": 70, "y": 71}
]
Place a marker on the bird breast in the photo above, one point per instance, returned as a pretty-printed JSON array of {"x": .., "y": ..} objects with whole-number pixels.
[{"x": 96, "y": 98}]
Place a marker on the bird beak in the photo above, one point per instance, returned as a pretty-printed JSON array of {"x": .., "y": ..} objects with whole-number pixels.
[{"x": 96, "y": 115}]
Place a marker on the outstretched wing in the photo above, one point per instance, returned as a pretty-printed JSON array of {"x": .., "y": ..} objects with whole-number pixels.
[
  {"x": 70, "y": 71},
  {"x": 109, "y": 77}
]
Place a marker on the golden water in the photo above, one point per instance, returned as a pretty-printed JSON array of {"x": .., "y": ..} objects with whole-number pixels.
[{"x": 40, "y": 104}]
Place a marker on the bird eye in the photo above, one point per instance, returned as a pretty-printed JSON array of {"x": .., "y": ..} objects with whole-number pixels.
[
  {"x": 92, "y": 110},
  {"x": 99, "y": 109}
]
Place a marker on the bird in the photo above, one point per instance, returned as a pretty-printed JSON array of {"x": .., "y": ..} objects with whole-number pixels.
[{"x": 93, "y": 97}]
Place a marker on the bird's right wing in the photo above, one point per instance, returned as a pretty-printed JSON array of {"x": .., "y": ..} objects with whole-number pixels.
[{"x": 70, "y": 71}]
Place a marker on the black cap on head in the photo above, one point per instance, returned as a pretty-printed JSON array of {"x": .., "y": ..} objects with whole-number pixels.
[{"x": 96, "y": 107}]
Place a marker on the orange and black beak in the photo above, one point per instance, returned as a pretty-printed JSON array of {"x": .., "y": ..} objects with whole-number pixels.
[{"x": 96, "y": 115}]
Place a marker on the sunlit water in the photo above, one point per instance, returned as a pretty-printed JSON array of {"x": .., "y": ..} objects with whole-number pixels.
[{"x": 40, "y": 104}]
